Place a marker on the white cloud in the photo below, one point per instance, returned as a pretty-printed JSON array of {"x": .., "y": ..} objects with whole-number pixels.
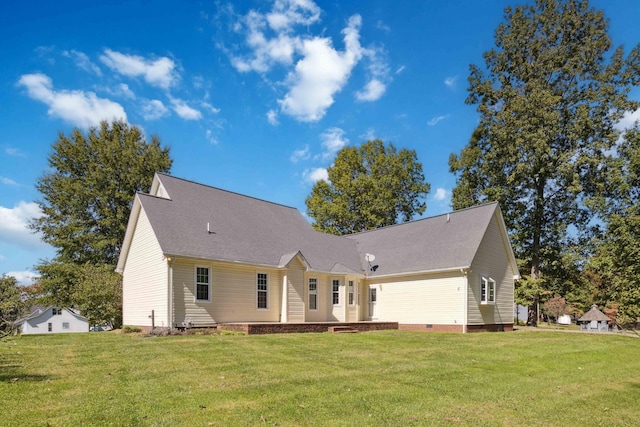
[
  {"x": 321, "y": 73},
  {"x": 628, "y": 120},
  {"x": 7, "y": 181},
  {"x": 12, "y": 151},
  {"x": 315, "y": 174},
  {"x": 382, "y": 26},
  {"x": 183, "y": 110},
  {"x": 83, "y": 109},
  {"x": 400, "y": 69},
  {"x": 286, "y": 13},
  {"x": 450, "y": 82},
  {"x": 24, "y": 278},
  {"x": 154, "y": 109},
  {"x": 302, "y": 154},
  {"x": 82, "y": 61},
  {"x": 159, "y": 72},
  {"x": 369, "y": 135},
  {"x": 2, "y": 257},
  {"x": 209, "y": 107},
  {"x": 434, "y": 121},
  {"x": 126, "y": 92},
  {"x": 333, "y": 140},
  {"x": 212, "y": 139},
  {"x": 272, "y": 117},
  {"x": 372, "y": 91},
  {"x": 441, "y": 194},
  {"x": 14, "y": 228}
]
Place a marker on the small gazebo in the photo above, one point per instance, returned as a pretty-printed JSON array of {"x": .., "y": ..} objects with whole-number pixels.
[{"x": 594, "y": 321}]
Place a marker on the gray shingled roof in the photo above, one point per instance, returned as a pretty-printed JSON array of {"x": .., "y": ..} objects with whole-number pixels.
[
  {"x": 248, "y": 230},
  {"x": 243, "y": 229},
  {"x": 594, "y": 314},
  {"x": 440, "y": 242}
]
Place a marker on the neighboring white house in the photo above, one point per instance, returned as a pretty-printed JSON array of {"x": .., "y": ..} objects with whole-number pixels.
[
  {"x": 52, "y": 320},
  {"x": 200, "y": 256}
]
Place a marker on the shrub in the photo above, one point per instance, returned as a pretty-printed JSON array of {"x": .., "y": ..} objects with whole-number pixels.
[{"x": 131, "y": 329}]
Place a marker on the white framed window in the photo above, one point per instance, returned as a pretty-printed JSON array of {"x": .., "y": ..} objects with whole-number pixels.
[
  {"x": 262, "y": 291},
  {"x": 65, "y": 325},
  {"x": 335, "y": 291},
  {"x": 313, "y": 293},
  {"x": 351, "y": 293},
  {"x": 487, "y": 290},
  {"x": 203, "y": 284}
]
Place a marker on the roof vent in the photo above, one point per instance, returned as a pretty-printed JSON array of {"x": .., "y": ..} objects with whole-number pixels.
[
  {"x": 448, "y": 217},
  {"x": 209, "y": 230}
]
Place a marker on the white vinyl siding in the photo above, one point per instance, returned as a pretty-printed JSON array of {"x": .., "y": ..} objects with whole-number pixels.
[
  {"x": 295, "y": 292},
  {"x": 233, "y": 295},
  {"x": 491, "y": 261},
  {"x": 145, "y": 278},
  {"x": 63, "y": 321},
  {"x": 430, "y": 299}
]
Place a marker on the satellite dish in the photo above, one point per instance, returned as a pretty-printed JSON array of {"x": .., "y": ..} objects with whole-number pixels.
[{"x": 369, "y": 257}]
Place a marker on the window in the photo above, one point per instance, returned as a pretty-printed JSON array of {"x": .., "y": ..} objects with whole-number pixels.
[
  {"x": 203, "y": 284},
  {"x": 262, "y": 287},
  {"x": 487, "y": 290},
  {"x": 50, "y": 326},
  {"x": 351, "y": 293},
  {"x": 56, "y": 311},
  {"x": 313, "y": 293},
  {"x": 65, "y": 325},
  {"x": 335, "y": 291}
]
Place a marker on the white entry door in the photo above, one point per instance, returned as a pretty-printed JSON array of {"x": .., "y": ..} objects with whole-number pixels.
[{"x": 373, "y": 302}]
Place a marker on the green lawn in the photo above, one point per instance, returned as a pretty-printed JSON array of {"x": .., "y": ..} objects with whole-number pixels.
[{"x": 374, "y": 378}]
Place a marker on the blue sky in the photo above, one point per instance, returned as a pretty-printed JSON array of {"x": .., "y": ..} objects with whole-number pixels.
[{"x": 255, "y": 97}]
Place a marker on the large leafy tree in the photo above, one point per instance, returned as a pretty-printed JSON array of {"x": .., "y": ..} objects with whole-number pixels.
[
  {"x": 615, "y": 262},
  {"x": 87, "y": 195},
  {"x": 370, "y": 186},
  {"x": 549, "y": 97}
]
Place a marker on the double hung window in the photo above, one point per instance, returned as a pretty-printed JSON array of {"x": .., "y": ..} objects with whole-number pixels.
[
  {"x": 487, "y": 290},
  {"x": 203, "y": 284},
  {"x": 262, "y": 289}
]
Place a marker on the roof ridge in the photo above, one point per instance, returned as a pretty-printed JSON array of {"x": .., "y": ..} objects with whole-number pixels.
[
  {"x": 423, "y": 219},
  {"x": 225, "y": 191}
]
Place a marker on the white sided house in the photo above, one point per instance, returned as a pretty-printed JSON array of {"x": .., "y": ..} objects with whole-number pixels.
[
  {"x": 195, "y": 255},
  {"x": 52, "y": 320}
]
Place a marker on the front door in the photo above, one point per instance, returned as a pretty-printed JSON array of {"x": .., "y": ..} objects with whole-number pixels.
[{"x": 373, "y": 302}]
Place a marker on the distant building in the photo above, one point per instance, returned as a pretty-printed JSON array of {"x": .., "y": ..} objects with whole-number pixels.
[
  {"x": 594, "y": 321},
  {"x": 52, "y": 320}
]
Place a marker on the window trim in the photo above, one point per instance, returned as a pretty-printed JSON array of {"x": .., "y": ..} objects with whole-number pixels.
[
  {"x": 266, "y": 275},
  {"x": 351, "y": 293},
  {"x": 196, "y": 283},
  {"x": 336, "y": 292},
  {"x": 487, "y": 290},
  {"x": 314, "y": 293}
]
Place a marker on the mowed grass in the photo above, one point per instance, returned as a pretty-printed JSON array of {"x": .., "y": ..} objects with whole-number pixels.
[{"x": 390, "y": 378}]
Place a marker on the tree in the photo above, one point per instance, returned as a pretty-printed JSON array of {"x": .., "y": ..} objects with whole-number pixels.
[
  {"x": 618, "y": 249},
  {"x": 555, "y": 307},
  {"x": 369, "y": 187},
  {"x": 548, "y": 102},
  {"x": 88, "y": 194},
  {"x": 87, "y": 200},
  {"x": 98, "y": 295},
  {"x": 11, "y": 304}
]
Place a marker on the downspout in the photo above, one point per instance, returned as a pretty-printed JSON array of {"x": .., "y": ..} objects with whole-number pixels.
[
  {"x": 170, "y": 291},
  {"x": 465, "y": 301}
]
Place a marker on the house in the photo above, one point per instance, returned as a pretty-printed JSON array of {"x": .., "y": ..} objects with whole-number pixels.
[
  {"x": 195, "y": 255},
  {"x": 52, "y": 320},
  {"x": 594, "y": 321}
]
